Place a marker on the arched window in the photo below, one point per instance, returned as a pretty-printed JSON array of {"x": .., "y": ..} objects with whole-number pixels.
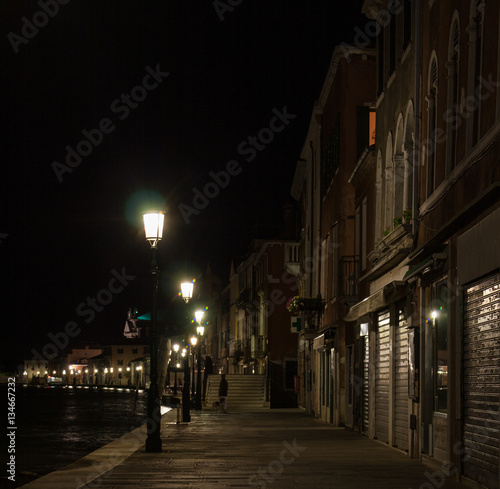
[
  {"x": 432, "y": 125},
  {"x": 452, "y": 113},
  {"x": 399, "y": 169},
  {"x": 379, "y": 230},
  {"x": 388, "y": 185},
  {"x": 408, "y": 159},
  {"x": 475, "y": 29}
]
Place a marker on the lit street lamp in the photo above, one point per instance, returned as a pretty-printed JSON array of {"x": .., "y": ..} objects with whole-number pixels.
[
  {"x": 194, "y": 340},
  {"x": 153, "y": 228},
  {"x": 176, "y": 349},
  {"x": 187, "y": 291},
  {"x": 200, "y": 330},
  {"x": 187, "y": 295}
]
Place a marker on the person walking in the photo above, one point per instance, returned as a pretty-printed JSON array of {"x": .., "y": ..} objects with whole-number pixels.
[{"x": 223, "y": 387}]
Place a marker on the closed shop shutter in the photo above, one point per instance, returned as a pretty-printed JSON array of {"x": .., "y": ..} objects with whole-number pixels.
[
  {"x": 382, "y": 366},
  {"x": 364, "y": 405},
  {"x": 401, "y": 384},
  {"x": 481, "y": 364}
]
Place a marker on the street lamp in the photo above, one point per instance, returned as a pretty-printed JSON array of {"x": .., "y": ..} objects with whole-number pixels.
[
  {"x": 194, "y": 340},
  {"x": 176, "y": 349},
  {"x": 199, "y": 316},
  {"x": 200, "y": 330},
  {"x": 153, "y": 228},
  {"x": 187, "y": 291},
  {"x": 187, "y": 295}
]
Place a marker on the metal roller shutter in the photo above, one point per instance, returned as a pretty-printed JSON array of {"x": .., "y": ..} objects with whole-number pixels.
[
  {"x": 481, "y": 381},
  {"x": 364, "y": 406},
  {"x": 401, "y": 384},
  {"x": 382, "y": 367}
]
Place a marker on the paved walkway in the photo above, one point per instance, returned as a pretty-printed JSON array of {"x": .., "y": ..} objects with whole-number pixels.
[{"x": 280, "y": 449}]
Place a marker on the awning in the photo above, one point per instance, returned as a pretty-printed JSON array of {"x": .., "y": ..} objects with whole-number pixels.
[
  {"x": 418, "y": 268},
  {"x": 430, "y": 263},
  {"x": 380, "y": 299},
  {"x": 370, "y": 304},
  {"x": 319, "y": 342}
]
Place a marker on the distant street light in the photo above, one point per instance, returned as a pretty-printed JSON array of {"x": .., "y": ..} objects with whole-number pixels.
[
  {"x": 194, "y": 340},
  {"x": 200, "y": 330},
  {"x": 153, "y": 228},
  {"x": 176, "y": 349}
]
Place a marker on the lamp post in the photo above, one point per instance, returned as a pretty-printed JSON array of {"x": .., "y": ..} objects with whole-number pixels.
[
  {"x": 176, "y": 349},
  {"x": 200, "y": 330},
  {"x": 187, "y": 295},
  {"x": 153, "y": 228},
  {"x": 194, "y": 340}
]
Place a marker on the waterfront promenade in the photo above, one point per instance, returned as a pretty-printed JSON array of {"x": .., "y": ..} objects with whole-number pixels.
[{"x": 267, "y": 449}]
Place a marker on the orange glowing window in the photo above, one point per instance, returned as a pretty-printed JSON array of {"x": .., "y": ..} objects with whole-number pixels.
[{"x": 371, "y": 128}]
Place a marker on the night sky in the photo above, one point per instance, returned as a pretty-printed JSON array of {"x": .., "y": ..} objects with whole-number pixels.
[{"x": 157, "y": 97}]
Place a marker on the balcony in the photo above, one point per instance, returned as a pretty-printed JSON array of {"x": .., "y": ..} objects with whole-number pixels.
[
  {"x": 390, "y": 251},
  {"x": 257, "y": 346},
  {"x": 349, "y": 271}
]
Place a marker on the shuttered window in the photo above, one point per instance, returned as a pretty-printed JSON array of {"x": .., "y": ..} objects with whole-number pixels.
[
  {"x": 481, "y": 381},
  {"x": 401, "y": 384},
  {"x": 382, "y": 371}
]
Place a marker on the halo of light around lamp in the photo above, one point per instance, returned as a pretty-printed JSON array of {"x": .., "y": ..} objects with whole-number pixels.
[{"x": 153, "y": 226}]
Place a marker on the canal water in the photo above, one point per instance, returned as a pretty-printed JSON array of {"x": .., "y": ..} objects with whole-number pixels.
[{"x": 59, "y": 425}]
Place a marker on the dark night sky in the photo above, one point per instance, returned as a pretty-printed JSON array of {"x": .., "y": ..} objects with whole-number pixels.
[{"x": 225, "y": 78}]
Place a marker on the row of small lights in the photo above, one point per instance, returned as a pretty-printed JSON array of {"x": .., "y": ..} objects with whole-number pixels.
[
  {"x": 186, "y": 293},
  {"x": 86, "y": 371}
]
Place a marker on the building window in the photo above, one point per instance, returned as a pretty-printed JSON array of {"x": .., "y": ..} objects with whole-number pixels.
[
  {"x": 378, "y": 198},
  {"x": 475, "y": 66},
  {"x": 452, "y": 114},
  {"x": 119, "y": 350},
  {"x": 364, "y": 230},
  {"x": 432, "y": 127},
  {"x": 437, "y": 342},
  {"x": 365, "y": 121},
  {"x": 357, "y": 232},
  {"x": 135, "y": 351},
  {"x": 408, "y": 160},
  {"x": 388, "y": 192},
  {"x": 392, "y": 41},
  {"x": 333, "y": 247},
  {"x": 330, "y": 158},
  {"x": 325, "y": 259},
  {"x": 350, "y": 375},
  {"x": 399, "y": 169},
  {"x": 407, "y": 19},
  {"x": 380, "y": 59},
  {"x": 119, "y": 362}
]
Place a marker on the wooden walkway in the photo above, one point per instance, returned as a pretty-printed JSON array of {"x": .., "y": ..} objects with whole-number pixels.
[{"x": 280, "y": 449}]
